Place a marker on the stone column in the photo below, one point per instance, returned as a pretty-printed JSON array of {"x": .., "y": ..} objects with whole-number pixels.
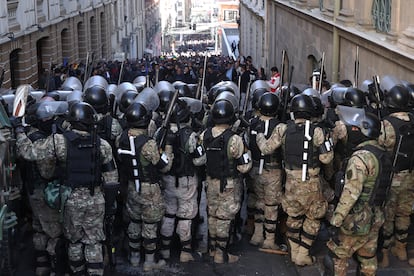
[{"x": 363, "y": 14}]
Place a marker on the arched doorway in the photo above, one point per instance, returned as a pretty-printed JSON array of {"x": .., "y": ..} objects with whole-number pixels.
[
  {"x": 15, "y": 68},
  {"x": 81, "y": 41},
  {"x": 66, "y": 46}
]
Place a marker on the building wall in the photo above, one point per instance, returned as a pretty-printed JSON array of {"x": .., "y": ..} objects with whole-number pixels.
[
  {"x": 306, "y": 32},
  {"x": 35, "y": 34}
]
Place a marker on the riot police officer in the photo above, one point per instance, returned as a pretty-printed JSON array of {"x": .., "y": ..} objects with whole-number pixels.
[
  {"x": 86, "y": 159},
  {"x": 359, "y": 213},
  {"x": 304, "y": 148},
  {"x": 397, "y": 138},
  {"x": 141, "y": 162},
  {"x": 226, "y": 158},
  {"x": 266, "y": 173},
  {"x": 181, "y": 183}
]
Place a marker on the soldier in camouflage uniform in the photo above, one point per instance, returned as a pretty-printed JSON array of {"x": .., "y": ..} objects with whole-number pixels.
[
  {"x": 85, "y": 164},
  {"x": 180, "y": 184},
  {"x": 249, "y": 180},
  {"x": 401, "y": 196},
  {"x": 304, "y": 147},
  {"x": 48, "y": 229},
  {"x": 359, "y": 212},
  {"x": 266, "y": 173},
  {"x": 141, "y": 162},
  {"x": 226, "y": 158}
]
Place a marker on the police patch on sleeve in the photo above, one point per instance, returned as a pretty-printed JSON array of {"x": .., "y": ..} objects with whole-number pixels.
[{"x": 349, "y": 174}]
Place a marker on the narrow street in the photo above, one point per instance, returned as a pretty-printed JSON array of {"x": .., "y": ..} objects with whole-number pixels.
[{"x": 252, "y": 261}]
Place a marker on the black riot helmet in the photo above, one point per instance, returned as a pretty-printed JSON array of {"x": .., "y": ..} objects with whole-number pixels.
[
  {"x": 410, "y": 88},
  {"x": 165, "y": 98},
  {"x": 318, "y": 107},
  {"x": 222, "y": 112},
  {"x": 302, "y": 106},
  {"x": 256, "y": 96},
  {"x": 181, "y": 112},
  {"x": 127, "y": 99},
  {"x": 183, "y": 89},
  {"x": 268, "y": 104},
  {"x": 81, "y": 115},
  {"x": 137, "y": 116},
  {"x": 96, "y": 96},
  {"x": 397, "y": 97},
  {"x": 370, "y": 126},
  {"x": 354, "y": 97}
]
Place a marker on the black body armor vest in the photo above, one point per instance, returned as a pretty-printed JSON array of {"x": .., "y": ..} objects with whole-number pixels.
[
  {"x": 275, "y": 157},
  {"x": 294, "y": 147},
  {"x": 83, "y": 167},
  {"x": 183, "y": 163},
  {"x": 147, "y": 172},
  {"x": 404, "y": 160},
  {"x": 219, "y": 165}
]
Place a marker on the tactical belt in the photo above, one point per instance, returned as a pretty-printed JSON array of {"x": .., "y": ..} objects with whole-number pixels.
[{"x": 268, "y": 166}]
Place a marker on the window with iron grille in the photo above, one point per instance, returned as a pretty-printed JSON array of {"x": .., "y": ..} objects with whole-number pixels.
[{"x": 381, "y": 15}]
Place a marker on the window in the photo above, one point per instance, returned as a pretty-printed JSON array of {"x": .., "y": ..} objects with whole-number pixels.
[{"x": 381, "y": 15}]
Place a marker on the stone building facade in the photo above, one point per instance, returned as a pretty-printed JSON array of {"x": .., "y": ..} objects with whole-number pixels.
[
  {"x": 37, "y": 33},
  {"x": 307, "y": 29}
]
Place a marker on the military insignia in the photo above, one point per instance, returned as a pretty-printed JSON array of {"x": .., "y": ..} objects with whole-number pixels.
[{"x": 349, "y": 174}]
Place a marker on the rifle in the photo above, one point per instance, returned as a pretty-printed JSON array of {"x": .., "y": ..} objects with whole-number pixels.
[
  {"x": 286, "y": 95},
  {"x": 197, "y": 95},
  {"x": 120, "y": 73},
  {"x": 247, "y": 99},
  {"x": 282, "y": 67},
  {"x": 85, "y": 73},
  {"x": 204, "y": 77},
  {"x": 321, "y": 74},
  {"x": 96, "y": 153},
  {"x": 356, "y": 69},
  {"x": 167, "y": 119},
  {"x": 377, "y": 95}
]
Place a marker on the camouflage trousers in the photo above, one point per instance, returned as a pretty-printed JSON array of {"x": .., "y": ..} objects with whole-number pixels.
[
  {"x": 399, "y": 208},
  {"x": 222, "y": 208},
  {"x": 47, "y": 226},
  {"x": 83, "y": 227},
  {"x": 181, "y": 203},
  {"x": 365, "y": 247},
  {"x": 145, "y": 209},
  {"x": 305, "y": 205},
  {"x": 251, "y": 195},
  {"x": 268, "y": 189}
]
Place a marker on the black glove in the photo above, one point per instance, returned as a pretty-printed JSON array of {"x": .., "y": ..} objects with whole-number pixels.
[
  {"x": 334, "y": 234},
  {"x": 243, "y": 122},
  {"x": 16, "y": 123}
]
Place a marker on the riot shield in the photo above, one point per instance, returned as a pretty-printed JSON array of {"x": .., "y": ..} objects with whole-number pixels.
[
  {"x": 50, "y": 109},
  {"x": 351, "y": 116},
  {"x": 122, "y": 88},
  {"x": 312, "y": 92},
  {"x": 111, "y": 90},
  {"x": 388, "y": 82},
  {"x": 228, "y": 96},
  {"x": 96, "y": 81},
  {"x": 195, "y": 104},
  {"x": 72, "y": 83},
  {"x": 164, "y": 86},
  {"x": 148, "y": 98},
  {"x": 74, "y": 97}
]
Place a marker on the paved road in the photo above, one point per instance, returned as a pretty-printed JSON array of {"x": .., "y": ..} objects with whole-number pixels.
[{"x": 252, "y": 262}]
